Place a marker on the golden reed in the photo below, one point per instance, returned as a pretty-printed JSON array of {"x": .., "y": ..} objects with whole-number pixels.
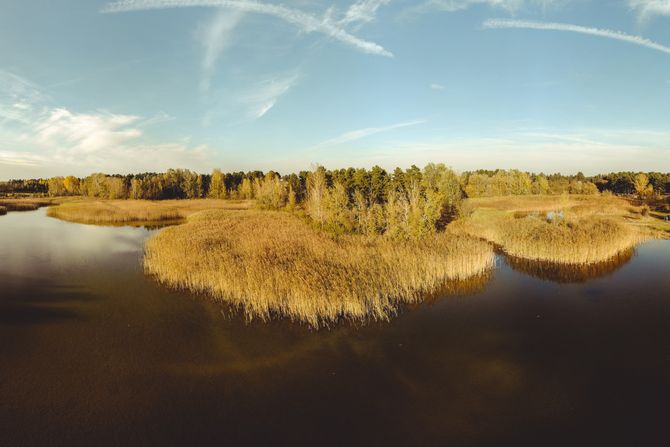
[
  {"x": 128, "y": 211},
  {"x": 271, "y": 263},
  {"x": 587, "y": 230}
]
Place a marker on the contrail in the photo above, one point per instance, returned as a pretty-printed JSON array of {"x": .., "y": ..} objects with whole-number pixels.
[
  {"x": 363, "y": 133},
  {"x": 305, "y": 22},
  {"x": 548, "y": 26}
]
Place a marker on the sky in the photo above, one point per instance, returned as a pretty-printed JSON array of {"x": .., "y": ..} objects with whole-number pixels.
[{"x": 145, "y": 85}]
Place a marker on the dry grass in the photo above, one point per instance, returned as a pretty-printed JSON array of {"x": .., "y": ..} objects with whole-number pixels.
[
  {"x": 580, "y": 204},
  {"x": 135, "y": 211},
  {"x": 271, "y": 263},
  {"x": 24, "y": 204},
  {"x": 594, "y": 228}
]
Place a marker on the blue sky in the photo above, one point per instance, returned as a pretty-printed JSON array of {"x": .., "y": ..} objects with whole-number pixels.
[{"x": 145, "y": 85}]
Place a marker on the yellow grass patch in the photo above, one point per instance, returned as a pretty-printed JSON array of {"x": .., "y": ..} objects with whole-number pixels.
[
  {"x": 579, "y": 204},
  {"x": 590, "y": 229},
  {"x": 24, "y": 204},
  {"x": 129, "y": 211},
  {"x": 271, "y": 263}
]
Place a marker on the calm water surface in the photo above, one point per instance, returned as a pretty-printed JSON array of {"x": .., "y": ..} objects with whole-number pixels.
[{"x": 92, "y": 352}]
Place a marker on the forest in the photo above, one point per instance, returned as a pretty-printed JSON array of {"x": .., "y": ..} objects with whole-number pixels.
[
  {"x": 402, "y": 204},
  {"x": 374, "y": 183}
]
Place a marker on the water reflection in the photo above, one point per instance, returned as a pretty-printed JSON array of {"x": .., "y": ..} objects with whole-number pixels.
[
  {"x": 145, "y": 224},
  {"x": 462, "y": 287},
  {"x": 94, "y": 352},
  {"x": 569, "y": 273}
]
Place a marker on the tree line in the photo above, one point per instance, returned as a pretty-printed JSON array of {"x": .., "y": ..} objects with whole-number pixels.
[
  {"x": 374, "y": 184},
  {"x": 24, "y": 186},
  {"x": 403, "y": 203}
]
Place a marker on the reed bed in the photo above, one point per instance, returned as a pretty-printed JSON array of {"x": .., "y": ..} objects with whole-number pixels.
[
  {"x": 577, "y": 204},
  {"x": 271, "y": 263},
  {"x": 23, "y": 204},
  {"x": 590, "y": 229},
  {"x": 133, "y": 211},
  {"x": 579, "y": 241}
]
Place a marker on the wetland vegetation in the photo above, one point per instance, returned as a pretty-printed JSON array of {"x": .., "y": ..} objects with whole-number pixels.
[
  {"x": 129, "y": 211},
  {"x": 271, "y": 263},
  {"x": 575, "y": 230},
  {"x": 24, "y": 203},
  {"x": 355, "y": 244}
]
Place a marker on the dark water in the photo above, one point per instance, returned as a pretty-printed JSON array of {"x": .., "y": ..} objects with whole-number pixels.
[{"x": 94, "y": 353}]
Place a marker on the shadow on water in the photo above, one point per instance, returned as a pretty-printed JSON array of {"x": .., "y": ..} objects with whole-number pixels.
[
  {"x": 48, "y": 301},
  {"x": 569, "y": 273}
]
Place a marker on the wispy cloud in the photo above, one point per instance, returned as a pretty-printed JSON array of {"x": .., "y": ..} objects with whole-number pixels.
[
  {"x": 19, "y": 98},
  {"x": 598, "y": 32},
  {"x": 21, "y": 159},
  {"x": 159, "y": 118},
  {"x": 265, "y": 95},
  {"x": 363, "y": 11},
  {"x": 460, "y": 5},
  {"x": 649, "y": 8},
  {"x": 216, "y": 36},
  {"x": 36, "y": 136},
  {"x": 83, "y": 133},
  {"x": 304, "y": 22},
  {"x": 17, "y": 86},
  {"x": 234, "y": 106},
  {"x": 363, "y": 133},
  {"x": 435, "y": 86}
]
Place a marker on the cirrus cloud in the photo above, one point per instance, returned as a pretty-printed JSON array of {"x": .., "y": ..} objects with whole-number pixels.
[
  {"x": 598, "y": 32},
  {"x": 650, "y": 8},
  {"x": 306, "y": 23},
  {"x": 460, "y": 5},
  {"x": 357, "y": 134}
]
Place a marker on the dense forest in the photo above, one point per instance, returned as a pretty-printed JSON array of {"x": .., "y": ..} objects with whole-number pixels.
[
  {"x": 404, "y": 203},
  {"x": 375, "y": 184}
]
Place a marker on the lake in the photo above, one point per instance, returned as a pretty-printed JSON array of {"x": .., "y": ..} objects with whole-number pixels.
[{"x": 94, "y": 352}]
